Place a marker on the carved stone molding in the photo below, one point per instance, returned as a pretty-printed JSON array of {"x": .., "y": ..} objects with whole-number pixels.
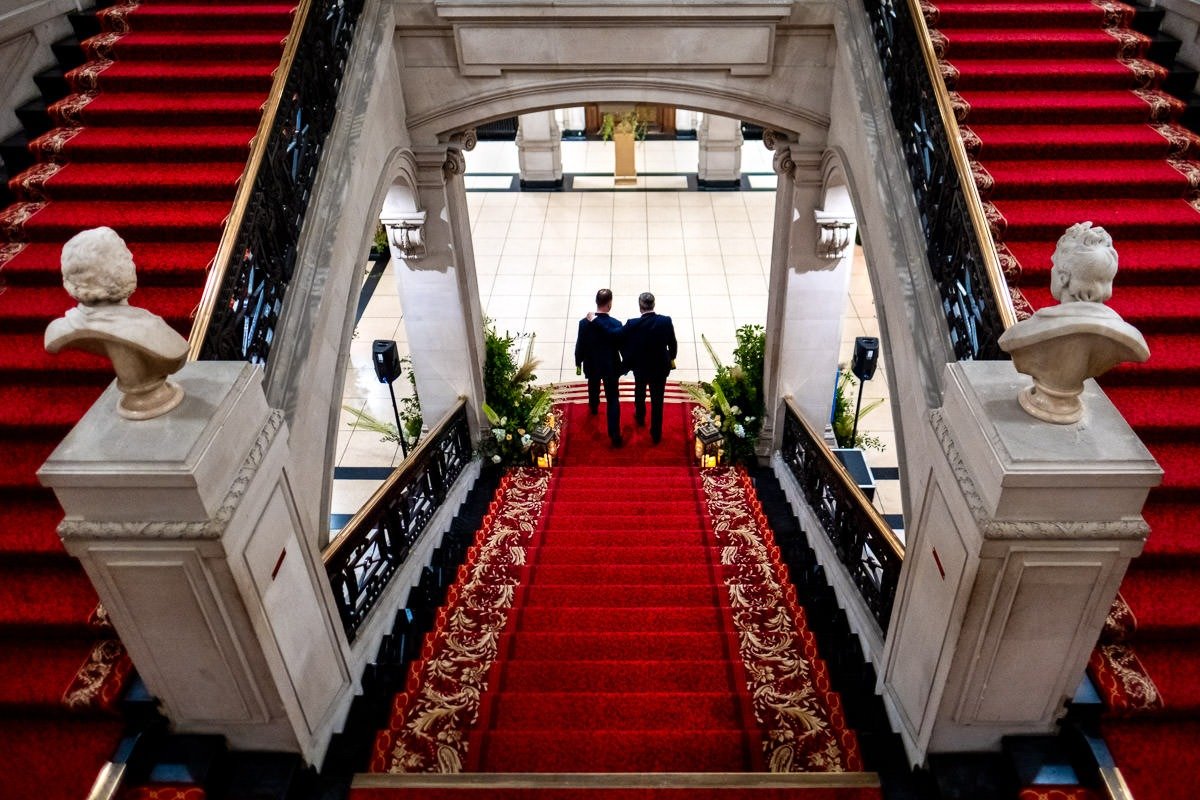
[
  {"x": 212, "y": 528},
  {"x": 455, "y": 164},
  {"x": 1024, "y": 529}
]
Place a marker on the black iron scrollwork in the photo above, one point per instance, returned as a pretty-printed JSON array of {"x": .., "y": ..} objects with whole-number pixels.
[
  {"x": 955, "y": 254},
  {"x": 366, "y": 554},
  {"x": 250, "y": 299},
  {"x": 862, "y": 541}
]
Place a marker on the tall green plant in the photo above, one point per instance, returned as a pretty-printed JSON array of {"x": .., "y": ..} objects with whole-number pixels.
[
  {"x": 843, "y": 423},
  {"x": 512, "y": 405},
  {"x": 734, "y": 398}
]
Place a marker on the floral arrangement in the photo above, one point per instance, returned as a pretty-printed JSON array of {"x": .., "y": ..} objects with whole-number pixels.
[
  {"x": 843, "y": 421},
  {"x": 513, "y": 406},
  {"x": 733, "y": 401}
]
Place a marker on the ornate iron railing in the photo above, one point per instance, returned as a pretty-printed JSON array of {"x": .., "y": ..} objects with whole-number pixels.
[
  {"x": 863, "y": 541},
  {"x": 257, "y": 254},
  {"x": 376, "y": 542},
  {"x": 958, "y": 240}
]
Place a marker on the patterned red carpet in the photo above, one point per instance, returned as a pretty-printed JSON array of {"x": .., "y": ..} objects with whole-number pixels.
[
  {"x": 641, "y": 626},
  {"x": 152, "y": 145},
  {"x": 1067, "y": 124}
]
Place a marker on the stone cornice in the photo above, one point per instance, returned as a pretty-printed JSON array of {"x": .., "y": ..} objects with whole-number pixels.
[
  {"x": 212, "y": 528},
  {"x": 992, "y": 528}
]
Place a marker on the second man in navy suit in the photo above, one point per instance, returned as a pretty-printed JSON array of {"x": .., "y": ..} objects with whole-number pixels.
[
  {"x": 597, "y": 351},
  {"x": 649, "y": 348}
]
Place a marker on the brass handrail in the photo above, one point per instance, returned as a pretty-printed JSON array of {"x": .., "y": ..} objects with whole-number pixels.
[
  {"x": 233, "y": 223},
  {"x": 958, "y": 152},
  {"x": 368, "y": 508},
  {"x": 881, "y": 526}
]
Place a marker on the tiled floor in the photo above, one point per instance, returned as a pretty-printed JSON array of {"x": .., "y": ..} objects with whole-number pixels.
[{"x": 541, "y": 256}]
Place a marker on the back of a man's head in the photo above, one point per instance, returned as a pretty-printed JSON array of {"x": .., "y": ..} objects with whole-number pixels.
[
  {"x": 646, "y": 302},
  {"x": 604, "y": 298}
]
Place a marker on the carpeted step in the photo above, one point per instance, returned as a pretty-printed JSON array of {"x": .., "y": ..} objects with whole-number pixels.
[
  {"x": 666, "y": 675},
  {"x": 29, "y": 526},
  {"x": 626, "y": 595},
  {"x": 249, "y": 46},
  {"x": 1044, "y": 107},
  {"x": 24, "y": 455},
  {"x": 622, "y": 751},
  {"x": 615, "y": 619},
  {"x": 619, "y": 646},
  {"x": 186, "y": 17},
  {"x": 1149, "y": 753},
  {"x": 1085, "y": 179},
  {"x": 1175, "y": 666},
  {"x": 1150, "y": 309},
  {"x": 140, "y": 181},
  {"x": 1165, "y": 602},
  {"x": 674, "y": 507},
  {"x": 30, "y": 309},
  {"x": 631, "y": 709},
  {"x": 1174, "y": 416},
  {"x": 150, "y": 108},
  {"x": 617, "y": 496},
  {"x": 25, "y": 407},
  {"x": 40, "y": 690},
  {"x": 158, "y": 264},
  {"x": 646, "y": 555},
  {"x": 630, "y": 534},
  {"x": 1142, "y": 261},
  {"x": 954, "y": 16},
  {"x": 1122, "y": 218},
  {"x": 1179, "y": 482},
  {"x": 1174, "y": 359},
  {"x": 191, "y": 221},
  {"x": 44, "y": 594},
  {"x": 154, "y": 143},
  {"x": 57, "y": 761},
  {"x": 1001, "y": 43},
  {"x": 1172, "y": 536},
  {"x": 647, "y": 574},
  {"x": 23, "y": 357},
  {"x": 170, "y": 76},
  {"x": 1094, "y": 140},
  {"x": 1078, "y": 75}
]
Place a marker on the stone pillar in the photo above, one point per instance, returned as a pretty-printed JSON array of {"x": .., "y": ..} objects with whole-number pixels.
[
  {"x": 1018, "y": 547},
  {"x": 188, "y": 528},
  {"x": 687, "y": 121},
  {"x": 437, "y": 287},
  {"x": 806, "y": 305},
  {"x": 539, "y": 151},
  {"x": 720, "y": 164},
  {"x": 573, "y": 121}
]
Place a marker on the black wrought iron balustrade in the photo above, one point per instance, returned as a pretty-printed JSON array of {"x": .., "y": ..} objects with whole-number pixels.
[
  {"x": 257, "y": 257},
  {"x": 864, "y": 543},
  {"x": 377, "y": 541},
  {"x": 974, "y": 297}
]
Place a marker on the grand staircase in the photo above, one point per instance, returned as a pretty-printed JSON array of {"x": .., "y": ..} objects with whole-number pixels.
[
  {"x": 1068, "y": 122},
  {"x": 151, "y": 141}
]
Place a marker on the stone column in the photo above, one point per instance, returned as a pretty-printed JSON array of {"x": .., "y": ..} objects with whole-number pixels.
[
  {"x": 808, "y": 293},
  {"x": 720, "y": 164},
  {"x": 437, "y": 287},
  {"x": 572, "y": 120},
  {"x": 539, "y": 151},
  {"x": 1018, "y": 547},
  {"x": 686, "y": 121},
  {"x": 188, "y": 528}
]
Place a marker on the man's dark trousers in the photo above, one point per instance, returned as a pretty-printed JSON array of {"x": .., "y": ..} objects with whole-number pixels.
[
  {"x": 597, "y": 350},
  {"x": 649, "y": 347}
]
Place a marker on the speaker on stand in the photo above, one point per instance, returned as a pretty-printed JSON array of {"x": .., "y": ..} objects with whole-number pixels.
[{"x": 386, "y": 358}]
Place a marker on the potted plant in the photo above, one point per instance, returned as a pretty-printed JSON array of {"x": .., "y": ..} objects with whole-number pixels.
[
  {"x": 513, "y": 406},
  {"x": 733, "y": 400},
  {"x": 623, "y": 129}
]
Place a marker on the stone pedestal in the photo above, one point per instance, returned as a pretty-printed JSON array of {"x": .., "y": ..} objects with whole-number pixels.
[
  {"x": 539, "y": 151},
  {"x": 187, "y": 526},
  {"x": 720, "y": 165},
  {"x": 1018, "y": 547}
]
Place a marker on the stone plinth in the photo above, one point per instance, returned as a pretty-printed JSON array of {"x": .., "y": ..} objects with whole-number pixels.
[
  {"x": 1018, "y": 548},
  {"x": 187, "y": 526}
]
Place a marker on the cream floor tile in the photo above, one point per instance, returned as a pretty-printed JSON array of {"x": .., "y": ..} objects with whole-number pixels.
[
  {"x": 625, "y": 213},
  {"x": 705, "y": 279},
  {"x": 368, "y": 449},
  {"x": 701, "y": 246},
  {"x": 561, "y": 229},
  {"x": 526, "y": 230},
  {"x": 660, "y": 242},
  {"x": 377, "y": 328},
  {"x": 549, "y": 330},
  {"x": 551, "y": 285},
  {"x": 694, "y": 228},
  {"x": 517, "y": 265},
  {"x": 488, "y": 246},
  {"x": 550, "y": 305},
  {"x": 513, "y": 284},
  {"x": 624, "y": 246},
  {"x": 597, "y": 200},
  {"x": 739, "y": 247},
  {"x": 751, "y": 307},
  {"x": 489, "y": 230},
  {"x": 594, "y": 246},
  {"x": 349, "y": 496},
  {"x": 520, "y": 247},
  {"x": 556, "y": 265},
  {"x": 714, "y": 305},
  {"x": 557, "y": 247},
  {"x": 387, "y": 306},
  {"x": 591, "y": 229},
  {"x": 509, "y": 307}
]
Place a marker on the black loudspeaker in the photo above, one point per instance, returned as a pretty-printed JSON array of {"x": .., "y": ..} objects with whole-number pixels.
[
  {"x": 386, "y": 359},
  {"x": 866, "y": 357}
]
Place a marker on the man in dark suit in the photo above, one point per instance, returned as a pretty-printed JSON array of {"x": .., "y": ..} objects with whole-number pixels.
[
  {"x": 649, "y": 348},
  {"x": 597, "y": 351}
]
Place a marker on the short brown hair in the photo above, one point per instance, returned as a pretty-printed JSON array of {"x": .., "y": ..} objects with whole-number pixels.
[{"x": 603, "y": 297}]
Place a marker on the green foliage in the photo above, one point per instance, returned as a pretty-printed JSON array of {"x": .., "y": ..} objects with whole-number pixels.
[
  {"x": 380, "y": 243},
  {"x": 844, "y": 399},
  {"x": 734, "y": 398},
  {"x": 626, "y": 121},
  {"x": 512, "y": 405}
]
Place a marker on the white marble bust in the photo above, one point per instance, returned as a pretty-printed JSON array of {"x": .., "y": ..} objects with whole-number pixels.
[
  {"x": 1062, "y": 346},
  {"x": 98, "y": 272}
]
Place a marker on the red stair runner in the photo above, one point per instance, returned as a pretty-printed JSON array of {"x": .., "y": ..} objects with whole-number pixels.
[
  {"x": 152, "y": 146},
  {"x": 624, "y": 642},
  {"x": 1066, "y": 121}
]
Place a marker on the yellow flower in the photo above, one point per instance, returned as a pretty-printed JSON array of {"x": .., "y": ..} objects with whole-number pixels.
[{"x": 509, "y": 437}]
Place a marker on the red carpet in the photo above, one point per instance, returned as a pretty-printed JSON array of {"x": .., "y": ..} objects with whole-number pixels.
[
  {"x": 1064, "y": 117},
  {"x": 642, "y": 628},
  {"x": 153, "y": 146}
]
